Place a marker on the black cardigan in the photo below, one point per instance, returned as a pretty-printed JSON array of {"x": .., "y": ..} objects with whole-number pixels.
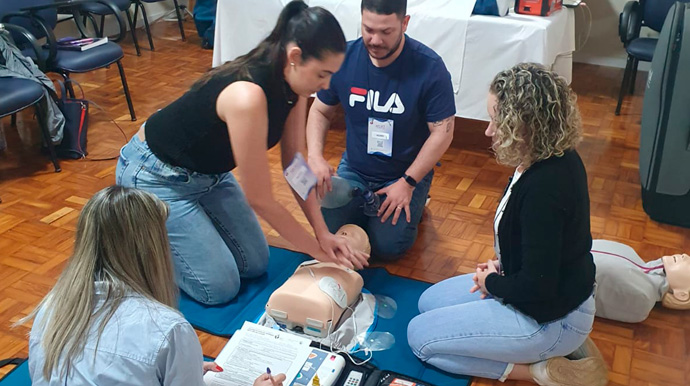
[{"x": 545, "y": 241}]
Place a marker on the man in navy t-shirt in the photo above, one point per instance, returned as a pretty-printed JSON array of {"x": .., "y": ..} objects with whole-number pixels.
[{"x": 399, "y": 112}]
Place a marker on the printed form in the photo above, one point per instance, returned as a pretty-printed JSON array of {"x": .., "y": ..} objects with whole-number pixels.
[{"x": 254, "y": 348}]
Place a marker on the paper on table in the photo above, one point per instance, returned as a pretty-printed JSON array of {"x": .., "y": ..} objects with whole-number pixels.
[{"x": 252, "y": 349}]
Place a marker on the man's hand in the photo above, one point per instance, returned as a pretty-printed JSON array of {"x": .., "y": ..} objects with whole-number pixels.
[
  {"x": 398, "y": 197},
  {"x": 480, "y": 279},
  {"x": 323, "y": 171}
]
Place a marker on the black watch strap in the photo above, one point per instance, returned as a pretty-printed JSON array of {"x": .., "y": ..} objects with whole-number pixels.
[{"x": 411, "y": 181}]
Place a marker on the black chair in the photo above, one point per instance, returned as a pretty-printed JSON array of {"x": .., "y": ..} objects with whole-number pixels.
[
  {"x": 139, "y": 4},
  {"x": 635, "y": 15},
  {"x": 18, "y": 94},
  {"x": 40, "y": 18},
  {"x": 92, "y": 9}
]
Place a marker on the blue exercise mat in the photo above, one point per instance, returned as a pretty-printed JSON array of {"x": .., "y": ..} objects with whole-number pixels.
[
  {"x": 399, "y": 358},
  {"x": 224, "y": 320},
  {"x": 19, "y": 376}
]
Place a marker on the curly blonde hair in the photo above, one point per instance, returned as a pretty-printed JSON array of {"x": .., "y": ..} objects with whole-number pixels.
[{"x": 536, "y": 115}]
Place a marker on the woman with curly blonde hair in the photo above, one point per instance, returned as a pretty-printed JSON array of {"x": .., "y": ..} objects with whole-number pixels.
[{"x": 527, "y": 314}]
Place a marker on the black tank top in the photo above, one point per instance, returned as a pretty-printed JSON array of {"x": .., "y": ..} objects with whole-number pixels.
[{"x": 188, "y": 132}]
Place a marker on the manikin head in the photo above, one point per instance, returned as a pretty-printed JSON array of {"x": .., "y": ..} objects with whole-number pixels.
[
  {"x": 356, "y": 237},
  {"x": 677, "y": 269}
]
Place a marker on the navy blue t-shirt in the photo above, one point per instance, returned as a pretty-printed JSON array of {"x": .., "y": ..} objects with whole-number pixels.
[{"x": 413, "y": 90}]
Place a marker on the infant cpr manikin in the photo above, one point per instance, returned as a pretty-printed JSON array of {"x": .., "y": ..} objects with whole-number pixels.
[{"x": 316, "y": 295}]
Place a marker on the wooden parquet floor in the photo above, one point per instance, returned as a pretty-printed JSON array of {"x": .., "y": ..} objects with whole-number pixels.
[{"x": 39, "y": 207}]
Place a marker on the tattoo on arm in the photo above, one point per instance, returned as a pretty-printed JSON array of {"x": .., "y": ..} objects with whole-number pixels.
[{"x": 448, "y": 122}]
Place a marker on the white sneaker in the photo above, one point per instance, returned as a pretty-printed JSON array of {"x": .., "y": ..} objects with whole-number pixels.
[{"x": 561, "y": 371}]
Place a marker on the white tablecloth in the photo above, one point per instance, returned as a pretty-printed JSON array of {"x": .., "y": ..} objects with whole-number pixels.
[{"x": 474, "y": 48}]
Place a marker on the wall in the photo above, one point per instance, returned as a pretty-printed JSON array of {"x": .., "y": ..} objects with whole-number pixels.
[{"x": 603, "y": 46}]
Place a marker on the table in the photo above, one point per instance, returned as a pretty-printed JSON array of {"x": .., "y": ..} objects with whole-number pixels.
[{"x": 474, "y": 47}]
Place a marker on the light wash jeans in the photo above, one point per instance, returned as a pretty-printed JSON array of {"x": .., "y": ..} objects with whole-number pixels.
[
  {"x": 462, "y": 334},
  {"x": 215, "y": 236},
  {"x": 388, "y": 241}
]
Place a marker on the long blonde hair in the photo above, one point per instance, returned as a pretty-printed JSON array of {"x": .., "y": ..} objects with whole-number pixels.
[
  {"x": 122, "y": 241},
  {"x": 536, "y": 115}
]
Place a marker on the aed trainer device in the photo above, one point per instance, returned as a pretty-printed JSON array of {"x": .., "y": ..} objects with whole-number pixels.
[{"x": 326, "y": 366}]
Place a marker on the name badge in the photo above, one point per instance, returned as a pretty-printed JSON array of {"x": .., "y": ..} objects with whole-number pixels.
[
  {"x": 300, "y": 177},
  {"x": 380, "y": 137}
]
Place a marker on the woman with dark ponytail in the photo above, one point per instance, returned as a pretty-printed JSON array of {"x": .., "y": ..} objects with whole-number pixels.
[{"x": 230, "y": 117}]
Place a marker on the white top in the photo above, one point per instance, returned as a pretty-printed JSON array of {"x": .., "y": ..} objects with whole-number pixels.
[
  {"x": 500, "y": 209},
  {"x": 143, "y": 343}
]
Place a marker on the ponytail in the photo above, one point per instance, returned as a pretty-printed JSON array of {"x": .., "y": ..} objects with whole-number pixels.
[
  {"x": 291, "y": 10},
  {"x": 313, "y": 29}
]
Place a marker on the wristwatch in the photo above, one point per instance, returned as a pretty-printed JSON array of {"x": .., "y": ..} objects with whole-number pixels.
[{"x": 410, "y": 181}]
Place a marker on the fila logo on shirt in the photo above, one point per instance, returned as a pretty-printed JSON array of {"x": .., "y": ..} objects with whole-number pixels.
[{"x": 373, "y": 98}]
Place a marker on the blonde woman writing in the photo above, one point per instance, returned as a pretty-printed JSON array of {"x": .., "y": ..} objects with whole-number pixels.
[
  {"x": 525, "y": 315},
  {"x": 110, "y": 319}
]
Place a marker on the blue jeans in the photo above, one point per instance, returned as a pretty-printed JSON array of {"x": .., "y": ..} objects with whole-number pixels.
[
  {"x": 462, "y": 334},
  {"x": 215, "y": 237},
  {"x": 388, "y": 241}
]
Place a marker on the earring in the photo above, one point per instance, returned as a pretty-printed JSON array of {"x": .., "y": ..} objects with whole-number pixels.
[{"x": 292, "y": 64}]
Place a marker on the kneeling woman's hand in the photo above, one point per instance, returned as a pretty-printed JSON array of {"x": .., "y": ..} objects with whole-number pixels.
[
  {"x": 483, "y": 270},
  {"x": 338, "y": 250}
]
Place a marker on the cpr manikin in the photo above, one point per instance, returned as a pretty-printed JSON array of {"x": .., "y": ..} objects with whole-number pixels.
[
  {"x": 316, "y": 295},
  {"x": 628, "y": 287}
]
